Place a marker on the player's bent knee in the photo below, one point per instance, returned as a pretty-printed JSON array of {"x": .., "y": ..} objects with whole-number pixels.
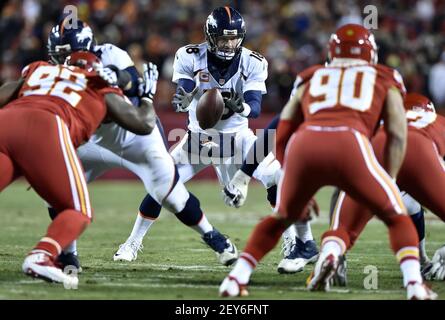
[{"x": 175, "y": 202}]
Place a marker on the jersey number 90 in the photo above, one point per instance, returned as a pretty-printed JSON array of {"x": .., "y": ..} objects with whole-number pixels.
[{"x": 352, "y": 88}]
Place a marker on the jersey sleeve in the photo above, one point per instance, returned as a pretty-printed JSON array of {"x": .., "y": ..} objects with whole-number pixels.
[
  {"x": 302, "y": 78},
  {"x": 26, "y": 71},
  {"x": 392, "y": 78},
  {"x": 256, "y": 74},
  {"x": 111, "y": 54},
  {"x": 102, "y": 87},
  {"x": 183, "y": 65}
]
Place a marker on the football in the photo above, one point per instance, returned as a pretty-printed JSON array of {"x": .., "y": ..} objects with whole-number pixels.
[{"x": 210, "y": 108}]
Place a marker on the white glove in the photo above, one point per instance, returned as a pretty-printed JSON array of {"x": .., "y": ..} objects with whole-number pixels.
[
  {"x": 235, "y": 193},
  {"x": 182, "y": 99},
  {"x": 106, "y": 73},
  {"x": 149, "y": 82},
  {"x": 437, "y": 271}
]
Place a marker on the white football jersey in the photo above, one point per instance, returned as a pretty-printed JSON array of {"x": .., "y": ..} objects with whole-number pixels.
[
  {"x": 249, "y": 73},
  {"x": 111, "y": 135}
]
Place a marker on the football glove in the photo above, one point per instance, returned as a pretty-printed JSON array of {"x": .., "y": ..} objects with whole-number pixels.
[
  {"x": 437, "y": 271},
  {"x": 149, "y": 81},
  {"x": 235, "y": 193},
  {"x": 106, "y": 73},
  {"x": 182, "y": 99},
  {"x": 235, "y": 102}
]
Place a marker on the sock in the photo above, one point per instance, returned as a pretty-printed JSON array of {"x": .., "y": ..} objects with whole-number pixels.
[
  {"x": 411, "y": 271},
  {"x": 422, "y": 251},
  {"x": 304, "y": 231},
  {"x": 264, "y": 238},
  {"x": 64, "y": 229},
  {"x": 71, "y": 248},
  {"x": 419, "y": 222},
  {"x": 193, "y": 216},
  {"x": 290, "y": 233},
  {"x": 140, "y": 228},
  {"x": 203, "y": 226},
  {"x": 332, "y": 246},
  {"x": 243, "y": 269},
  {"x": 149, "y": 208}
]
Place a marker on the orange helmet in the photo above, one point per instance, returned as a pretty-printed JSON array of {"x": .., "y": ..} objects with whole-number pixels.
[
  {"x": 353, "y": 41},
  {"x": 418, "y": 102},
  {"x": 83, "y": 59}
]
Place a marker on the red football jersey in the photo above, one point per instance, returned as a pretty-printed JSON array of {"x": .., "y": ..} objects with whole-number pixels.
[
  {"x": 72, "y": 93},
  {"x": 351, "y": 95}
]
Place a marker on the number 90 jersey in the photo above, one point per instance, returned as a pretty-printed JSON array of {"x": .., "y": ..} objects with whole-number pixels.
[
  {"x": 347, "y": 94},
  {"x": 247, "y": 72}
]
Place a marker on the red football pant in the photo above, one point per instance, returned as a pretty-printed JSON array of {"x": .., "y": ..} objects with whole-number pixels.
[
  {"x": 37, "y": 145},
  {"x": 422, "y": 175},
  {"x": 343, "y": 158}
]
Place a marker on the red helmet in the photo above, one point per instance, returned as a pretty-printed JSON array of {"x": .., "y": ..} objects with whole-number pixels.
[
  {"x": 83, "y": 59},
  {"x": 353, "y": 41},
  {"x": 418, "y": 102}
]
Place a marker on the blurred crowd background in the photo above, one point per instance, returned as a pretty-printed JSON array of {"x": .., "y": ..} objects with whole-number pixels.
[{"x": 291, "y": 34}]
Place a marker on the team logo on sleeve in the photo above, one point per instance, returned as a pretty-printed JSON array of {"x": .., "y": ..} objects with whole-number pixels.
[{"x": 204, "y": 77}]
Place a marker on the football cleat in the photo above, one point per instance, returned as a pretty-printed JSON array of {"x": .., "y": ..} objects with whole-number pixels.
[
  {"x": 299, "y": 256},
  {"x": 128, "y": 251},
  {"x": 69, "y": 259},
  {"x": 41, "y": 265},
  {"x": 226, "y": 252},
  {"x": 324, "y": 270},
  {"x": 419, "y": 291},
  {"x": 231, "y": 287},
  {"x": 340, "y": 278}
]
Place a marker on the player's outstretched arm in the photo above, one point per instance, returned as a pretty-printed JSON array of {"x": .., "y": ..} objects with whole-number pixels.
[
  {"x": 140, "y": 120},
  {"x": 396, "y": 128},
  {"x": 9, "y": 91}
]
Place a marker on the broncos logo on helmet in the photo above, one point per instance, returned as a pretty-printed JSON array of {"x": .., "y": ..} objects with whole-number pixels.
[{"x": 64, "y": 39}]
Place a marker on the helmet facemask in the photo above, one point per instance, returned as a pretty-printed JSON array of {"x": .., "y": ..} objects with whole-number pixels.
[{"x": 227, "y": 46}]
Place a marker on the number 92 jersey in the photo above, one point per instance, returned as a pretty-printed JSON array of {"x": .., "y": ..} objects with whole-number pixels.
[
  {"x": 248, "y": 71},
  {"x": 347, "y": 94}
]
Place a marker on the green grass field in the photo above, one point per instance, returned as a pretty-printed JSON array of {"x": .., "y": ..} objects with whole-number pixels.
[{"x": 175, "y": 263}]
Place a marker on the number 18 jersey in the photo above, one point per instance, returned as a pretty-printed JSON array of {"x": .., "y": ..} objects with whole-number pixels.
[
  {"x": 248, "y": 71},
  {"x": 348, "y": 94}
]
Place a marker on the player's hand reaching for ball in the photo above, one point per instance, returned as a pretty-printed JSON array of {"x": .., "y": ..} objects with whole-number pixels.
[
  {"x": 182, "y": 99},
  {"x": 149, "y": 81},
  {"x": 235, "y": 102}
]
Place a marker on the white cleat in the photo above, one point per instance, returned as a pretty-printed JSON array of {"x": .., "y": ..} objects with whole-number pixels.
[
  {"x": 231, "y": 287},
  {"x": 40, "y": 265},
  {"x": 324, "y": 270},
  {"x": 292, "y": 265},
  {"x": 128, "y": 251},
  {"x": 419, "y": 291}
]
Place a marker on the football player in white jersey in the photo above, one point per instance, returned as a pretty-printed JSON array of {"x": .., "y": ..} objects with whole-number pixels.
[
  {"x": 146, "y": 156},
  {"x": 240, "y": 74}
]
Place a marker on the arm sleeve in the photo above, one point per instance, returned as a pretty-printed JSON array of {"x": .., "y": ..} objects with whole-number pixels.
[
  {"x": 187, "y": 84},
  {"x": 183, "y": 65},
  {"x": 133, "y": 91},
  {"x": 253, "y": 99}
]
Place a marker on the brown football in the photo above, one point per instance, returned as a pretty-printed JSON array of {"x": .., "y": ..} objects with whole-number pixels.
[{"x": 210, "y": 108}]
